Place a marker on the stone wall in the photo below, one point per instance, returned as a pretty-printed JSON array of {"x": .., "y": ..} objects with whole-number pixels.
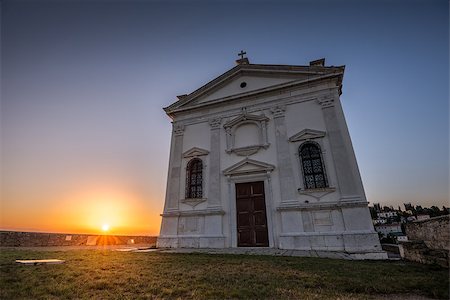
[
  {"x": 393, "y": 248},
  {"x": 428, "y": 241},
  {"x": 37, "y": 239},
  {"x": 434, "y": 232}
]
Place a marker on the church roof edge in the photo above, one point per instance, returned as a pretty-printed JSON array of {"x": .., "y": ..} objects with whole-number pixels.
[{"x": 324, "y": 70}]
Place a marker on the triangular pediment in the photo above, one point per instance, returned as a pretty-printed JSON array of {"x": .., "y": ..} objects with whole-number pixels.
[
  {"x": 195, "y": 152},
  {"x": 307, "y": 134},
  {"x": 250, "y": 79},
  {"x": 243, "y": 83},
  {"x": 248, "y": 166}
]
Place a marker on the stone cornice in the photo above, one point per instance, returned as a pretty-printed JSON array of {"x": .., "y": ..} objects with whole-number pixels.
[
  {"x": 200, "y": 212},
  {"x": 265, "y": 105},
  {"x": 322, "y": 205},
  {"x": 274, "y": 70},
  {"x": 292, "y": 84}
]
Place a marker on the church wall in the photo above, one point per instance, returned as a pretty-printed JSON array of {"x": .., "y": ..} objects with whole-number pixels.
[
  {"x": 321, "y": 229},
  {"x": 196, "y": 135},
  {"x": 228, "y": 187},
  {"x": 308, "y": 115},
  {"x": 311, "y": 112},
  {"x": 297, "y": 219},
  {"x": 303, "y": 115},
  {"x": 271, "y": 152},
  {"x": 298, "y": 116},
  {"x": 353, "y": 163}
]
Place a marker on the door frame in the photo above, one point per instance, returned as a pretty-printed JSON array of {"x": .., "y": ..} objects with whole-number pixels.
[{"x": 270, "y": 209}]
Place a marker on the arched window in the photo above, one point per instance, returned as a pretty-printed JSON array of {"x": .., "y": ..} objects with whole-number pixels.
[
  {"x": 194, "y": 179},
  {"x": 313, "y": 169}
]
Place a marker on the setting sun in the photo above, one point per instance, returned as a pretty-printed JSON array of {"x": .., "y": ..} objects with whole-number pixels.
[{"x": 105, "y": 227}]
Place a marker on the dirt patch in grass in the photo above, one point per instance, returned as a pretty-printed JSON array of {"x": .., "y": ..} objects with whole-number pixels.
[{"x": 123, "y": 275}]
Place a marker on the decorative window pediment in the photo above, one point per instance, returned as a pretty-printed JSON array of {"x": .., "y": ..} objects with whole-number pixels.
[
  {"x": 248, "y": 166},
  {"x": 306, "y": 135},
  {"x": 195, "y": 152},
  {"x": 246, "y": 134}
]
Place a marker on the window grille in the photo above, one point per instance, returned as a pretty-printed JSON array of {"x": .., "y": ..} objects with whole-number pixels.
[
  {"x": 312, "y": 164},
  {"x": 194, "y": 179}
]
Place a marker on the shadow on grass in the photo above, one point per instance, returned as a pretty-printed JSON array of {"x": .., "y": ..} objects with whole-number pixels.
[{"x": 123, "y": 275}]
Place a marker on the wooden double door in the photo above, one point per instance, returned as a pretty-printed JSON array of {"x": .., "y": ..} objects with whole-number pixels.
[{"x": 251, "y": 215}]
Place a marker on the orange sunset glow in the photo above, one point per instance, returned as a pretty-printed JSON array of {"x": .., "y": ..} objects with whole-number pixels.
[{"x": 95, "y": 211}]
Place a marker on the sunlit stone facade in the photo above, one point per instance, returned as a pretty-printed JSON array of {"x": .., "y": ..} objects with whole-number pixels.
[{"x": 261, "y": 157}]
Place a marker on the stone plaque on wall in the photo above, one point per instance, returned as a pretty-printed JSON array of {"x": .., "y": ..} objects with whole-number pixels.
[
  {"x": 322, "y": 218},
  {"x": 188, "y": 224}
]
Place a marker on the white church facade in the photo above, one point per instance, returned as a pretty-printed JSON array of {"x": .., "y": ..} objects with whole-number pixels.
[{"x": 261, "y": 157}]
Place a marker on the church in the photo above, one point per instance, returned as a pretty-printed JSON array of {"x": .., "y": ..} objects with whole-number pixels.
[{"x": 261, "y": 157}]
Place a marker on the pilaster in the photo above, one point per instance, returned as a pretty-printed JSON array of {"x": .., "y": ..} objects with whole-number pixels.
[
  {"x": 174, "y": 176},
  {"x": 286, "y": 175},
  {"x": 214, "y": 164},
  {"x": 348, "y": 177}
]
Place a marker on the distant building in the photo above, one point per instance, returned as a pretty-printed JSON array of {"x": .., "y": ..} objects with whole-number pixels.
[
  {"x": 402, "y": 238},
  {"x": 387, "y": 214},
  {"x": 379, "y": 221},
  {"x": 385, "y": 229},
  {"x": 398, "y": 237},
  {"x": 411, "y": 219},
  {"x": 422, "y": 217}
]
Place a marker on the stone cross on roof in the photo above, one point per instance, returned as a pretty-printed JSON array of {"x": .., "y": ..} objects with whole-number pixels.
[
  {"x": 242, "y": 53},
  {"x": 242, "y": 60}
]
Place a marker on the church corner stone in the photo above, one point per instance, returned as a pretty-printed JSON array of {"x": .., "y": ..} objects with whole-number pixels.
[{"x": 250, "y": 169}]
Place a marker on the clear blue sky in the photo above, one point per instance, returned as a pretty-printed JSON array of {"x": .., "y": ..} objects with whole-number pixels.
[{"x": 84, "y": 82}]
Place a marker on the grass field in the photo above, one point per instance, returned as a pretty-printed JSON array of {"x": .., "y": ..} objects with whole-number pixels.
[{"x": 105, "y": 274}]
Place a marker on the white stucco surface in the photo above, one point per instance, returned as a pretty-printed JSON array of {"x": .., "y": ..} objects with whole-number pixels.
[{"x": 242, "y": 137}]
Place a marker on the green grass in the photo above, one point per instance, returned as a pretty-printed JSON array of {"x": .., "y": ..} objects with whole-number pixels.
[{"x": 102, "y": 274}]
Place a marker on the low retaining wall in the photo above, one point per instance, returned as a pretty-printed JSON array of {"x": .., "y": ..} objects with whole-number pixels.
[
  {"x": 38, "y": 239},
  {"x": 429, "y": 241},
  {"x": 434, "y": 232},
  {"x": 390, "y": 248}
]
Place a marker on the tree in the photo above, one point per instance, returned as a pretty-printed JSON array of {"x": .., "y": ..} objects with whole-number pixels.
[{"x": 373, "y": 213}]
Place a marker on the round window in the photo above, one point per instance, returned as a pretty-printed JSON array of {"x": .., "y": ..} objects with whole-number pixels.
[{"x": 243, "y": 84}]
